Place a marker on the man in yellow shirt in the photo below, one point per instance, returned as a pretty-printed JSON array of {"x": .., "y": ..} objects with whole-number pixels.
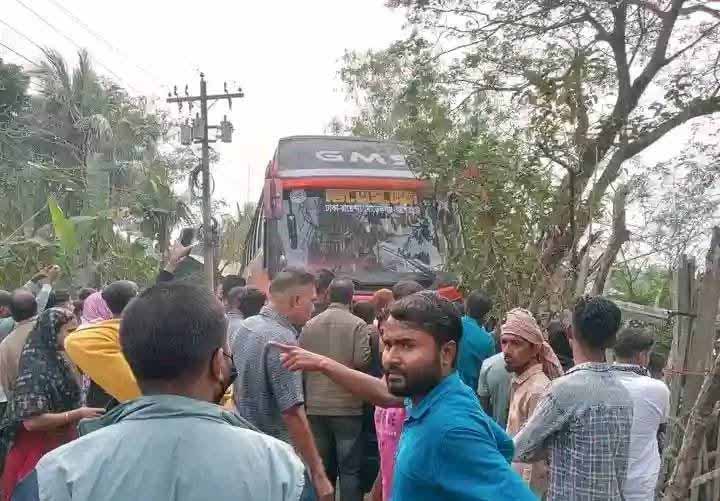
[{"x": 96, "y": 348}]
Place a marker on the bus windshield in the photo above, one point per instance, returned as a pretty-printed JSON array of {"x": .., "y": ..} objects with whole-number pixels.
[{"x": 361, "y": 233}]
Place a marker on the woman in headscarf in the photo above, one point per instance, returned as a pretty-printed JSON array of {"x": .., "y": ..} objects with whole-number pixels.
[
  {"x": 95, "y": 310},
  {"x": 45, "y": 407}
]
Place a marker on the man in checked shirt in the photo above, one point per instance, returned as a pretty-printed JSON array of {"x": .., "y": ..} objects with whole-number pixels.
[{"x": 585, "y": 419}]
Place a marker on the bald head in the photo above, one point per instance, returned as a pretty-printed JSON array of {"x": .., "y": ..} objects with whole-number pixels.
[
  {"x": 118, "y": 294},
  {"x": 23, "y": 305}
]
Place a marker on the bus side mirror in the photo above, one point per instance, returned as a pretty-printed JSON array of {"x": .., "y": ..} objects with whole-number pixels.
[
  {"x": 272, "y": 198},
  {"x": 292, "y": 231}
]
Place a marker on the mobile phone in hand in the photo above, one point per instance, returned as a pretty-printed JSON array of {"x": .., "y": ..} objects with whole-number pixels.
[{"x": 187, "y": 236}]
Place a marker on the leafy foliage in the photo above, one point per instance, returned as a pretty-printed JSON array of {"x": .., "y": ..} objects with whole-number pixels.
[
  {"x": 83, "y": 181},
  {"x": 648, "y": 285},
  {"x": 578, "y": 87},
  {"x": 235, "y": 229}
]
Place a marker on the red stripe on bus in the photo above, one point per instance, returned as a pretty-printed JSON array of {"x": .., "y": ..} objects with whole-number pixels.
[{"x": 367, "y": 183}]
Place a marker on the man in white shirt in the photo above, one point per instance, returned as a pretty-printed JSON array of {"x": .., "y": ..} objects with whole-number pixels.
[{"x": 651, "y": 402}]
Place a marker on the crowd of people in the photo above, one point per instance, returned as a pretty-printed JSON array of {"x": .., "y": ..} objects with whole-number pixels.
[{"x": 301, "y": 392}]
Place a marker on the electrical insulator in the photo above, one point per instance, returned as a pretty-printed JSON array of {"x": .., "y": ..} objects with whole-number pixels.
[
  {"x": 185, "y": 134},
  {"x": 198, "y": 128},
  {"x": 226, "y": 130}
]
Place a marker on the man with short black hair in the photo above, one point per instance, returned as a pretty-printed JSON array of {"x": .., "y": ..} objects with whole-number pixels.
[
  {"x": 585, "y": 418},
  {"x": 174, "y": 338},
  {"x": 476, "y": 344},
  {"x": 96, "y": 350},
  {"x": 449, "y": 448},
  {"x": 242, "y": 302},
  {"x": 651, "y": 406},
  {"x": 322, "y": 282},
  {"x": 404, "y": 288},
  {"x": 336, "y": 416},
  {"x": 265, "y": 393},
  {"x": 23, "y": 308},
  {"x": 229, "y": 282},
  {"x": 557, "y": 337}
]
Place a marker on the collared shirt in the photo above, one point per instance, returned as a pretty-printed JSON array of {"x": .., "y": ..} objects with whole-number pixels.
[
  {"x": 527, "y": 390},
  {"x": 585, "y": 421},
  {"x": 7, "y": 325},
  {"x": 10, "y": 351},
  {"x": 476, "y": 345},
  {"x": 651, "y": 404},
  {"x": 494, "y": 384},
  {"x": 451, "y": 450},
  {"x": 195, "y": 451},
  {"x": 264, "y": 388},
  {"x": 235, "y": 320},
  {"x": 338, "y": 334}
]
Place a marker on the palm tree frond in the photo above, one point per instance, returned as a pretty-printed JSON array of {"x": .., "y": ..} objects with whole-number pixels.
[{"x": 97, "y": 130}]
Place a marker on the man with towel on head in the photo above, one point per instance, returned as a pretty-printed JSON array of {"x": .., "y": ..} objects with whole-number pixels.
[{"x": 533, "y": 364}]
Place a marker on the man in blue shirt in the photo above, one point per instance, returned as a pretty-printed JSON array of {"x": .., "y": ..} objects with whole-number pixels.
[
  {"x": 450, "y": 449},
  {"x": 476, "y": 344}
]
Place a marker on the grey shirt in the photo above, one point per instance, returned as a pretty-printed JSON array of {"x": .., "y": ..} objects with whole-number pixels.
[
  {"x": 494, "y": 384},
  {"x": 235, "y": 320},
  {"x": 165, "y": 447},
  {"x": 264, "y": 389},
  {"x": 584, "y": 421}
]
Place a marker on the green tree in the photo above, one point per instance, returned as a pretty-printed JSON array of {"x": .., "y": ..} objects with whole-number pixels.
[
  {"x": 497, "y": 190},
  {"x": 646, "y": 285},
  {"x": 590, "y": 84},
  {"x": 86, "y": 144},
  {"x": 234, "y": 231}
]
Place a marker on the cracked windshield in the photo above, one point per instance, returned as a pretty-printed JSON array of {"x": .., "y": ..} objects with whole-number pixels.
[{"x": 360, "y": 250}]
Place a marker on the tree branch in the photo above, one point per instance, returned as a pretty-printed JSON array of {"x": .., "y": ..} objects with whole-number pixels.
[
  {"x": 699, "y": 39},
  {"x": 618, "y": 237},
  {"x": 655, "y": 9},
  {"x": 602, "y": 33},
  {"x": 628, "y": 100},
  {"x": 583, "y": 120},
  {"x": 697, "y": 108},
  {"x": 617, "y": 42},
  {"x": 658, "y": 58}
]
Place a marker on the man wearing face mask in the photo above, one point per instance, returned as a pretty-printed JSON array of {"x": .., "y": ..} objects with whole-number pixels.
[{"x": 174, "y": 442}]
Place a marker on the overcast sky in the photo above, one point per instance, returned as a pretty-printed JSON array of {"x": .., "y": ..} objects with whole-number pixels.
[{"x": 285, "y": 54}]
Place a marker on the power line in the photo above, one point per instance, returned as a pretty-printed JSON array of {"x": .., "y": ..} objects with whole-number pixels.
[
  {"x": 102, "y": 39},
  {"x": 23, "y": 35},
  {"x": 19, "y": 55},
  {"x": 66, "y": 37}
]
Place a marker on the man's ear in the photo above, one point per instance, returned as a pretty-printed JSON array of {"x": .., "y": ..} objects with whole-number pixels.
[
  {"x": 448, "y": 353},
  {"x": 570, "y": 333},
  {"x": 217, "y": 366}
]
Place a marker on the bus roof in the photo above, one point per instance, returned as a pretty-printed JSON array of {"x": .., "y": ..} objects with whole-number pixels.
[{"x": 341, "y": 156}]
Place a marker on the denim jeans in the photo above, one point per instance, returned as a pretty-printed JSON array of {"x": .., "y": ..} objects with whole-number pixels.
[
  {"x": 339, "y": 440},
  {"x": 308, "y": 493}
]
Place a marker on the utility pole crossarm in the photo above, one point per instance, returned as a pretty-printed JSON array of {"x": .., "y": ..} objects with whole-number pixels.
[
  {"x": 212, "y": 97},
  {"x": 199, "y": 133}
]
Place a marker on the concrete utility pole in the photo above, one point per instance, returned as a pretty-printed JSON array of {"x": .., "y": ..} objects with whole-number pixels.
[{"x": 200, "y": 134}]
